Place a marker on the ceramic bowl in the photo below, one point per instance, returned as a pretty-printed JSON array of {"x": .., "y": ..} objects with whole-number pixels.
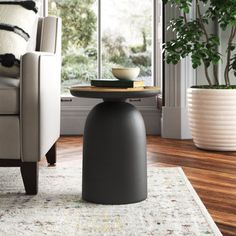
[{"x": 126, "y": 73}]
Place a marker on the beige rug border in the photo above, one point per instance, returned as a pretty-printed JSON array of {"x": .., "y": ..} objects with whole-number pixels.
[{"x": 202, "y": 207}]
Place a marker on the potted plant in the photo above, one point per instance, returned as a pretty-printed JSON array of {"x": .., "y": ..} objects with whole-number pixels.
[{"x": 212, "y": 107}]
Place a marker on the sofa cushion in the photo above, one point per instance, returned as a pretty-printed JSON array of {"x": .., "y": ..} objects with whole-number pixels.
[
  {"x": 9, "y": 96},
  {"x": 17, "y": 19}
]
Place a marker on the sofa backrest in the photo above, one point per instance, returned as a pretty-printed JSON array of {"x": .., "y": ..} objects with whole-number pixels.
[
  {"x": 49, "y": 35},
  {"x": 46, "y": 35}
]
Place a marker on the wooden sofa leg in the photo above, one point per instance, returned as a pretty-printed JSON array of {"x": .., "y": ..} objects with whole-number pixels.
[
  {"x": 51, "y": 155},
  {"x": 29, "y": 172}
]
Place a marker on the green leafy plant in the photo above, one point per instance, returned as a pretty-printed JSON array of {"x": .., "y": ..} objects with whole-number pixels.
[{"x": 192, "y": 37}]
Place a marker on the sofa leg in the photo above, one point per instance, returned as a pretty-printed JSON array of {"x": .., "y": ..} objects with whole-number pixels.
[
  {"x": 51, "y": 155},
  {"x": 29, "y": 172}
]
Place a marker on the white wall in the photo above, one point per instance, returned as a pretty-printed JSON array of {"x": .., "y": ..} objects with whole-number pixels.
[{"x": 177, "y": 79}]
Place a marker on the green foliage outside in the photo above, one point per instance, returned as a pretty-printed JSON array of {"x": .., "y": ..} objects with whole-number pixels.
[
  {"x": 79, "y": 25},
  {"x": 79, "y": 44},
  {"x": 79, "y": 21},
  {"x": 193, "y": 37},
  {"x": 116, "y": 52}
]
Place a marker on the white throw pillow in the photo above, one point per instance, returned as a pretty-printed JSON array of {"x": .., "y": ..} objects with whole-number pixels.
[{"x": 16, "y": 21}]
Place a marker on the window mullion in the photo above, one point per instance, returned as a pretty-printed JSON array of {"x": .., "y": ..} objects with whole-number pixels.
[{"x": 99, "y": 41}]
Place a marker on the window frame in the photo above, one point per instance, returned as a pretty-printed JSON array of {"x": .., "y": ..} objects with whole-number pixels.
[
  {"x": 156, "y": 72},
  {"x": 156, "y": 42},
  {"x": 75, "y": 110}
]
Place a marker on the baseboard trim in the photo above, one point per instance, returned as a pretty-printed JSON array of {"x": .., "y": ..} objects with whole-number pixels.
[
  {"x": 73, "y": 119},
  {"x": 174, "y": 123}
]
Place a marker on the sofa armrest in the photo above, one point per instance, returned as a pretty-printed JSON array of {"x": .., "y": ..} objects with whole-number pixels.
[{"x": 40, "y": 103}]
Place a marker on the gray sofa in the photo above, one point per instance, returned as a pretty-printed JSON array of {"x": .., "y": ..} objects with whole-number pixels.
[{"x": 30, "y": 105}]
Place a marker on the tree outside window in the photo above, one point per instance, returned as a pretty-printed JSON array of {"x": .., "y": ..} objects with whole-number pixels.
[{"x": 126, "y": 38}]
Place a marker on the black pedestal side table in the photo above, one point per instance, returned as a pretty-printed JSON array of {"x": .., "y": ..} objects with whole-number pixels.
[{"x": 114, "y": 146}]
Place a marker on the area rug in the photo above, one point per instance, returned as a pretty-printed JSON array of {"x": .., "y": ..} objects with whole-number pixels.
[{"x": 172, "y": 207}]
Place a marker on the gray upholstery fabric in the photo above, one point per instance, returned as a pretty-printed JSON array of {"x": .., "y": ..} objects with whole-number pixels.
[
  {"x": 9, "y": 137},
  {"x": 40, "y": 94},
  {"x": 49, "y": 96},
  {"x": 9, "y": 96},
  {"x": 49, "y": 33},
  {"x": 35, "y": 97}
]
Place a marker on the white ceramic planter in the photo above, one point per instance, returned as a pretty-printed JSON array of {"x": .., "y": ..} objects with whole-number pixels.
[{"x": 212, "y": 117}]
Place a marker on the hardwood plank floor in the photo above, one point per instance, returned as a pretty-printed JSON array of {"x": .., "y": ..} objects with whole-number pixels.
[{"x": 212, "y": 174}]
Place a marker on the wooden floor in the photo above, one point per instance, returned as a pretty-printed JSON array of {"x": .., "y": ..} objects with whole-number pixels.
[{"x": 212, "y": 174}]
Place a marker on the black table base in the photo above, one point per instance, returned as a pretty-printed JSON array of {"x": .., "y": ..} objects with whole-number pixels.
[{"x": 114, "y": 155}]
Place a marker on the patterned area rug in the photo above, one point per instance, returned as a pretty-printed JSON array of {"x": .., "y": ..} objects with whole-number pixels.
[{"x": 172, "y": 207}]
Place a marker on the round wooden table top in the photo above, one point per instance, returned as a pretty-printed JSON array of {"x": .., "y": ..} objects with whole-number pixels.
[{"x": 113, "y": 93}]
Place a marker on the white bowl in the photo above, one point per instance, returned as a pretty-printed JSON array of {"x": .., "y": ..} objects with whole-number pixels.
[{"x": 126, "y": 73}]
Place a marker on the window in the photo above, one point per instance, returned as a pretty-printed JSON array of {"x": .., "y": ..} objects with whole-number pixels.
[{"x": 101, "y": 34}]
